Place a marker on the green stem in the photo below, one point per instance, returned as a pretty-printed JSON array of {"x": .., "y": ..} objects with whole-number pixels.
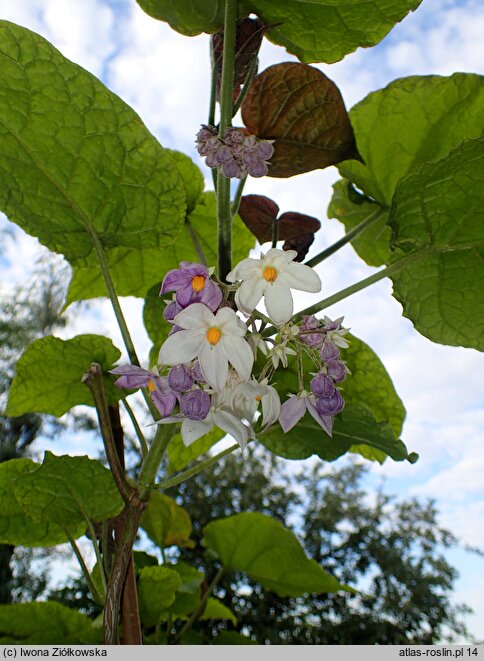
[
  {"x": 349, "y": 236},
  {"x": 137, "y": 428},
  {"x": 213, "y": 92},
  {"x": 238, "y": 194},
  {"x": 95, "y": 594},
  {"x": 366, "y": 282},
  {"x": 198, "y": 468},
  {"x": 224, "y": 217},
  {"x": 151, "y": 464},
  {"x": 358, "y": 286},
  {"x": 201, "y": 607},
  {"x": 114, "y": 300},
  {"x": 250, "y": 75},
  {"x": 100, "y": 564}
]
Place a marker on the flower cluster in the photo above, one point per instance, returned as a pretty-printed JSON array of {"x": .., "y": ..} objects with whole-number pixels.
[
  {"x": 215, "y": 369},
  {"x": 237, "y": 155}
]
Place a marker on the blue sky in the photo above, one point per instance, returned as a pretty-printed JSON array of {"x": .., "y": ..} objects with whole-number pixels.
[{"x": 164, "y": 76}]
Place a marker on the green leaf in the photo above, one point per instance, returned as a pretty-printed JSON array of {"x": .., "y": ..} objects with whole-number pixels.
[
  {"x": 438, "y": 216},
  {"x": 46, "y": 623},
  {"x": 166, "y": 523},
  {"x": 190, "y": 17},
  {"x": 232, "y": 638},
  {"x": 192, "y": 178},
  {"x": 410, "y": 122},
  {"x": 179, "y": 455},
  {"x": 48, "y": 374},
  {"x": 135, "y": 272},
  {"x": 187, "y": 598},
  {"x": 68, "y": 490},
  {"x": 269, "y": 553},
  {"x": 157, "y": 587},
  {"x": 352, "y": 208},
  {"x": 16, "y": 527},
  {"x": 326, "y": 30},
  {"x": 78, "y": 169},
  {"x": 216, "y": 610},
  {"x": 302, "y": 110},
  {"x": 354, "y": 426}
]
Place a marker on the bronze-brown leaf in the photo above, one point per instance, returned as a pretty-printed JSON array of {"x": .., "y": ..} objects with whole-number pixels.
[
  {"x": 259, "y": 213},
  {"x": 302, "y": 110}
]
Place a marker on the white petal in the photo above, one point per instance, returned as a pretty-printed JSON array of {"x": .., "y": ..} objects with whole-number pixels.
[
  {"x": 278, "y": 300},
  {"x": 192, "y": 430},
  {"x": 196, "y": 315},
  {"x": 229, "y": 423},
  {"x": 277, "y": 254},
  {"x": 240, "y": 355},
  {"x": 271, "y": 407},
  {"x": 249, "y": 293},
  {"x": 230, "y": 323},
  {"x": 244, "y": 269},
  {"x": 181, "y": 347},
  {"x": 302, "y": 277},
  {"x": 214, "y": 364}
]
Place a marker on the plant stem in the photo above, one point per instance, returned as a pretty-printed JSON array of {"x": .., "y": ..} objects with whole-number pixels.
[
  {"x": 224, "y": 217},
  {"x": 400, "y": 264},
  {"x": 349, "y": 236},
  {"x": 96, "y": 596},
  {"x": 97, "y": 552},
  {"x": 213, "y": 91},
  {"x": 114, "y": 300},
  {"x": 149, "y": 469},
  {"x": 275, "y": 232},
  {"x": 198, "y": 468},
  {"x": 201, "y": 607},
  {"x": 137, "y": 429},
  {"x": 250, "y": 75},
  {"x": 238, "y": 194}
]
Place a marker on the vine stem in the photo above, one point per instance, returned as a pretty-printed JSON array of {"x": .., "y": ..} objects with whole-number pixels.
[
  {"x": 137, "y": 428},
  {"x": 163, "y": 436},
  {"x": 191, "y": 472},
  {"x": 96, "y": 596},
  {"x": 224, "y": 216},
  {"x": 237, "y": 197},
  {"x": 349, "y": 236},
  {"x": 400, "y": 264},
  {"x": 201, "y": 607}
]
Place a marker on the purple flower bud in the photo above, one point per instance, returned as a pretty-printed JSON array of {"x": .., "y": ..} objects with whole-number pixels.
[
  {"x": 233, "y": 170},
  {"x": 250, "y": 158},
  {"x": 265, "y": 150},
  {"x": 212, "y": 160},
  {"x": 259, "y": 169},
  {"x": 251, "y": 143},
  {"x": 224, "y": 155},
  {"x": 171, "y": 310},
  {"x": 322, "y": 385},
  {"x": 312, "y": 339},
  {"x": 309, "y": 322},
  {"x": 132, "y": 376},
  {"x": 197, "y": 374},
  {"x": 329, "y": 351},
  {"x": 195, "y": 404},
  {"x": 233, "y": 136},
  {"x": 330, "y": 405},
  {"x": 337, "y": 370},
  {"x": 180, "y": 378}
]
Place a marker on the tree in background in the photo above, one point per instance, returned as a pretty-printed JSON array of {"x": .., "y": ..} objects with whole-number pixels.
[{"x": 393, "y": 550}]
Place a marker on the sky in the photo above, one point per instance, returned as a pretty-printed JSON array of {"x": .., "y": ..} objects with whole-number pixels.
[{"x": 164, "y": 76}]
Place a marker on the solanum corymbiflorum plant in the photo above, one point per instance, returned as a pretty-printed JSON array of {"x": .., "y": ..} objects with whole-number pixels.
[{"x": 79, "y": 170}]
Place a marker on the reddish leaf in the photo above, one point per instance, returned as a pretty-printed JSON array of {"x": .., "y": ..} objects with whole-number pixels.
[
  {"x": 248, "y": 40},
  {"x": 303, "y": 111},
  {"x": 301, "y": 243},
  {"x": 297, "y": 229}
]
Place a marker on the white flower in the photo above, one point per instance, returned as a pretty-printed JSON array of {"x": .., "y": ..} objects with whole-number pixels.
[
  {"x": 280, "y": 353},
  {"x": 272, "y": 277},
  {"x": 246, "y": 397},
  {"x": 215, "y": 339}
]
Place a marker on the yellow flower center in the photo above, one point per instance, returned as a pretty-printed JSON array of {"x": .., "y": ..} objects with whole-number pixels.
[
  {"x": 213, "y": 335},
  {"x": 198, "y": 282},
  {"x": 269, "y": 273},
  {"x": 151, "y": 386},
  {"x": 258, "y": 398}
]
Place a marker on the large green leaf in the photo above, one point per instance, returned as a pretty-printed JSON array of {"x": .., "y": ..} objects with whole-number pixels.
[
  {"x": 189, "y": 17},
  {"x": 68, "y": 490},
  {"x": 78, "y": 169},
  {"x": 48, "y": 374},
  {"x": 410, "y": 122},
  {"x": 166, "y": 523},
  {"x": 187, "y": 597},
  {"x": 157, "y": 588},
  {"x": 16, "y": 527},
  {"x": 269, "y": 553},
  {"x": 438, "y": 216},
  {"x": 216, "y": 610},
  {"x": 355, "y": 426},
  {"x": 135, "y": 272},
  {"x": 326, "y": 30},
  {"x": 352, "y": 208},
  {"x": 46, "y": 623}
]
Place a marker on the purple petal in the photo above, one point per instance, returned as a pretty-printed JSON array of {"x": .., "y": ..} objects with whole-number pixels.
[
  {"x": 292, "y": 411},
  {"x": 329, "y": 351},
  {"x": 322, "y": 385},
  {"x": 175, "y": 279},
  {"x": 337, "y": 370},
  {"x": 195, "y": 404},
  {"x": 164, "y": 402},
  {"x": 330, "y": 405},
  {"x": 132, "y": 376},
  {"x": 180, "y": 378},
  {"x": 326, "y": 421}
]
